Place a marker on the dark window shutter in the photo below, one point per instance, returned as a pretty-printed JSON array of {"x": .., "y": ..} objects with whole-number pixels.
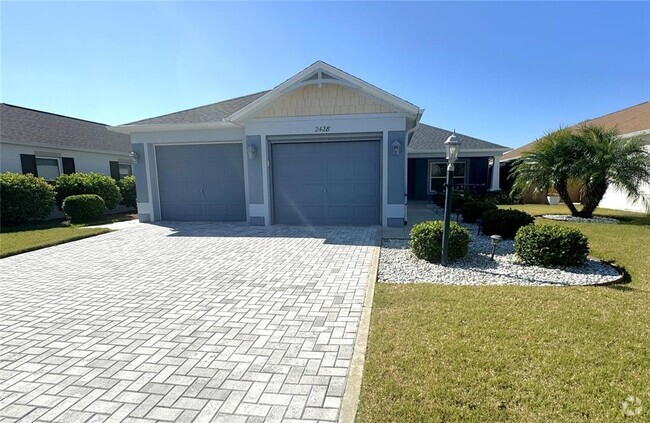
[
  {"x": 68, "y": 165},
  {"x": 28, "y": 162},
  {"x": 115, "y": 170}
]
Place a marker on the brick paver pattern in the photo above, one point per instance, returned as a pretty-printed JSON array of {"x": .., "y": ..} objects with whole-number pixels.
[{"x": 183, "y": 322}]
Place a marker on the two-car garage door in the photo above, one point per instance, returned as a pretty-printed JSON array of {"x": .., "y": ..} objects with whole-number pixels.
[{"x": 313, "y": 183}]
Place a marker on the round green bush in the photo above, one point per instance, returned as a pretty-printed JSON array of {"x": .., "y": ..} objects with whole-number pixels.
[
  {"x": 84, "y": 208},
  {"x": 504, "y": 222},
  {"x": 474, "y": 209},
  {"x": 127, "y": 189},
  {"x": 551, "y": 245},
  {"x": 426, "y": 241},
  {"x": 88, "y": 183},
  {"x": 24, "y": 198}
]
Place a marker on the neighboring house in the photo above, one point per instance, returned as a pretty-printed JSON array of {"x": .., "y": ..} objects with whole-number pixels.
[
  {"x": 323, "y": 147},
  {"x": 632, "y": 121},
  {"x": 47, "y": 145}
]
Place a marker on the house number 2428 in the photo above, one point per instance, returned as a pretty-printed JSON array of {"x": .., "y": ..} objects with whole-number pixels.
[{"x": 322, "y": 129}]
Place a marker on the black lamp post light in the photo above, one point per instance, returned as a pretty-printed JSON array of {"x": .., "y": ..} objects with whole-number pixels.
[{"x": 452, "y": 146}]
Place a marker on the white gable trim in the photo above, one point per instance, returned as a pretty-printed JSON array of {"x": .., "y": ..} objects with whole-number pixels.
[{"x": 338, "y": 77}]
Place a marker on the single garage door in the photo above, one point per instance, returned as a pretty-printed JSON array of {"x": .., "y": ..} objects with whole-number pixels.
[
  {"x": 326, "y": 183},
  {"x": 201, "y": 182}
]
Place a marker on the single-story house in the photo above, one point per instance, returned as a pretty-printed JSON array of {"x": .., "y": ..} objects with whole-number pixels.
[
  {"x": 632, "y": 121},
  {"x": 322, "y": 148},
  {"x": 47, "y": 145}
]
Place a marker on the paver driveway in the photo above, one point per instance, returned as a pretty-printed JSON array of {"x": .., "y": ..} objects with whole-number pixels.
[{"x": 185, "y": 322}]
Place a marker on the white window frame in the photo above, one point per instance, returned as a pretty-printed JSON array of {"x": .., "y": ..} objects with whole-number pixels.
[
  {"x": 58, "y": 161},
  {"x": 444, "y": 163}
]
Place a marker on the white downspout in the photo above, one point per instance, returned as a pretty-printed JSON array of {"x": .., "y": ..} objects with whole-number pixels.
[{"x": 406, "y": 160}]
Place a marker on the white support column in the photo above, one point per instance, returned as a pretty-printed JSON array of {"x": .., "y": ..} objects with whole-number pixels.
[{"x": 495, "y": 174}]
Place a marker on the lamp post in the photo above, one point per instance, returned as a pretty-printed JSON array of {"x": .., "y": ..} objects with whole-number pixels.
[{"x": 452, "y": 145}]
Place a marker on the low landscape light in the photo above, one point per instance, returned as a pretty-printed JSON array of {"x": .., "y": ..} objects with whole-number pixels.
[{"x": 496, "y": 240}]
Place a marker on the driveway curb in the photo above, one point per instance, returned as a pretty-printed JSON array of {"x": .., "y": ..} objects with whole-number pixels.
[{"x": 353, "y": 388}]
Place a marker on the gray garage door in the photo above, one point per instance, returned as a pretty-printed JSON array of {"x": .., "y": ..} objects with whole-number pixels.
[
  {"x": 201, "y": 182},
  {"x": 326, "y": 183}
]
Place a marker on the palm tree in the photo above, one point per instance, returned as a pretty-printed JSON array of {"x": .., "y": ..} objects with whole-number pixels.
[
  {"x": 608, "y": 159},
  {"x": 551, "y": 163},
  {"x": 594, "y": 156}
]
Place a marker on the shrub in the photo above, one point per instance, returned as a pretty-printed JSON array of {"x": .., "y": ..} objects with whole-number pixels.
[
  {"x": 504, "y": 222},
  {"x": 84, "y": 207},
  {"x": 24, "y": 198},
  {"x": 127, "y": 189},
  {"x": 88, "y": 183},
  {"x": 474, "y": 209},
  {"x": 426, "y": 241},
  {"x": 551, "y": 245}
]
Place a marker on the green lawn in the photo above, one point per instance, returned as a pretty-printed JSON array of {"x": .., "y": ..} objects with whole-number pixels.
[
  {"x": 444, "y": 353},
  {"x": 16, "y": 240}
]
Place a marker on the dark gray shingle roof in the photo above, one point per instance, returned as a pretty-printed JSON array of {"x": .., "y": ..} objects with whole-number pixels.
[
  {"x": 18, "y": 124},
  {"x": 211, "y": 113},
  {"x": 428, "y": 138}
]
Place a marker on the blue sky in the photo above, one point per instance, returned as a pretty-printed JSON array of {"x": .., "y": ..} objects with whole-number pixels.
[{"x": 504, "y": 72}]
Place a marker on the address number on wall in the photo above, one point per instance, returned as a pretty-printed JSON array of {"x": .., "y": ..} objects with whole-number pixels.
[{"x": 322, "y": 129}]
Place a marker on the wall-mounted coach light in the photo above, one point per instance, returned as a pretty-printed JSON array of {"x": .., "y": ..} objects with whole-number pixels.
[{"x": 252, "y": 152}]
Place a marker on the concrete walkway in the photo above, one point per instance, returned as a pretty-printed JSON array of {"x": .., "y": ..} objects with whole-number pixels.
[
  {"x": 183, "y": 322},
  {"x": 417, "y": 211}
]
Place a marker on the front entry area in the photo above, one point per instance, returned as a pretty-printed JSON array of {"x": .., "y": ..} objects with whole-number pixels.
[
  {"x": 326, "y": 183},
  {"x": 201, "y": 182}
]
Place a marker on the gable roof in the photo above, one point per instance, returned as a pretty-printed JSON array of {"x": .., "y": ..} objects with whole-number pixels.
[
  {"x": 209, "y": 113},
  {"x": 428, "y": 139},
  {"x": 236, "y": 109},
  {"x": 628, "y": 121},
  {"x": 35, "y": 127},
  {"x": 320, "y": 72}
]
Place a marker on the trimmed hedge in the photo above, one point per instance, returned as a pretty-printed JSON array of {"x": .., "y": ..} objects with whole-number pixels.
[
  {"x": 24, "y": 198},
  {"x": 551, "y": 245},
  {"x": 127, "y": 189},
  {"x": 426, "y": 241},
  {"x": 88, "y": 183},
  {"x": 474, "y": 209},
  {"x": 84, "y": 208},
  {"x": 505, "y": 222}
]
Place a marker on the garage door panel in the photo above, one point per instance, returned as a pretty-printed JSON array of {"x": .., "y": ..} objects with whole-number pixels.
[
  {"x": 334, "y": 183},
  {"x": 340, "y": 170},
  {"x": 366, "y": 170},
  {"x": 340, "y": 193},
  {"x": 364, "y": 213},
  {"x": 366, "y": 192},
  {"x": 201, "y": 182}
]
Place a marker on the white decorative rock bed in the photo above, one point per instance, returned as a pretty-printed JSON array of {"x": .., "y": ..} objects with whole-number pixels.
[
  {"x": 398, "y": 265},
  {"x": 569, "y": 218}
]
